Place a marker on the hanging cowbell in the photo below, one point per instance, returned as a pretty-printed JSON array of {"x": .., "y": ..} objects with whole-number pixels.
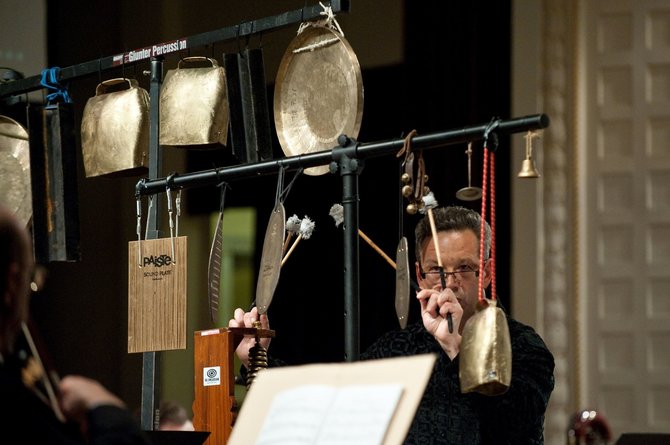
[
  {"x": 486, "y": 351},
  {"x": 194, "y": 105},
  {"x": 115, "y": 129}
]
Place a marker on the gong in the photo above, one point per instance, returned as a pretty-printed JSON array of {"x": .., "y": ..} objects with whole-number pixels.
[
  {"x": 318, "y": 93},
  {"x": 15, "y": 169}
]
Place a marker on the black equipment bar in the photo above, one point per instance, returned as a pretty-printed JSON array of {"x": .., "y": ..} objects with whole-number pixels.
[
  {"x": 245, "y": 29},
  {"x": 374, "y": 149}
]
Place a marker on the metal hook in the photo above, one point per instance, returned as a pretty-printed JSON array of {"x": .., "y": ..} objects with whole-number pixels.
[
  {"x": 178, "y": 205},
  {"x": 495, "y": 122},
  {"x": 168, "y": 191},
  {"x": 151, "y": 204},
  {"x": 280, "y": 184},
  {"x": 285, "y": 192},
  {"x": 222, "y": 198},
  {"x": 138, "y": 206},
  {"x": 237, "y": 37}
]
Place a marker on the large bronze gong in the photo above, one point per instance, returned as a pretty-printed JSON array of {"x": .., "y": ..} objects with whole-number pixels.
[
  {"x": 318, "y": 93},
  {"x": 15, "y": 192}
]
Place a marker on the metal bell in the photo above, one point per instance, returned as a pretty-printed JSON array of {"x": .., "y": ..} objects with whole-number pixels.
[
  {"x": 486, "y": 352},
  {"x": 528, "y": 169}
]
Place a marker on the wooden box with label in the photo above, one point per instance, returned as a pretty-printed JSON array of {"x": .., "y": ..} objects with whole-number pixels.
[{"x": 214, "y": 404}]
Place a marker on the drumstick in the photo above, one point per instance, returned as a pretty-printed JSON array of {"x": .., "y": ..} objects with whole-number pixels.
[
  {"x": 429, "y": 203},
  {"x": 306, "y": 229},
  {"x": 336, "y": 211},
  {"x": 292, "y": 226},
  {"x": 377, "y": 248}
]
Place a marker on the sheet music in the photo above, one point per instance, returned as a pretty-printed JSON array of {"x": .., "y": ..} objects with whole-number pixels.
[{"x": 330, "y": 415}]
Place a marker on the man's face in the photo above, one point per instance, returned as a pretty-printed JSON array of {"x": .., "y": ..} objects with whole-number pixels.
[
  {"x": 460, "y": 254},
  {"x": 14, "y": 298}
]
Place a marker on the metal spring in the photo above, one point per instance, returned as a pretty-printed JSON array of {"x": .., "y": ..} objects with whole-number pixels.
[{"x": 258, "y": 360}]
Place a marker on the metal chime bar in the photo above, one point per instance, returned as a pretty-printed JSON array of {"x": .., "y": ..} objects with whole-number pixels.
[
  {"x": 362, "y": 150},
  {"x": 245, "y": 29}
]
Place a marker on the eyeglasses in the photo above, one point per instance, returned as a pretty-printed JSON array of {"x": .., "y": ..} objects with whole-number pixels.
[{"x": 460, "y": 274}]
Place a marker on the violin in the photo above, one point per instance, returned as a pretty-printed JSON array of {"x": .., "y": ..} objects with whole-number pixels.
[
  {"x": 37, "y": 373},
  {"x": 42, "y": 381}
]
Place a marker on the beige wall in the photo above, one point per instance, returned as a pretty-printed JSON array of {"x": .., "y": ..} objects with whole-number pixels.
[{"x": 599, "y": 287}]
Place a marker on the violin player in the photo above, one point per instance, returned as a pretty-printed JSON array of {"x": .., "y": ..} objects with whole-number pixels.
[{"x": 83, "y": 411}]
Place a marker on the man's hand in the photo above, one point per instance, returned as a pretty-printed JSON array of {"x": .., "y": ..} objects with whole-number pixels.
[
  {"x": 435, "y": 305},
  {"x": 79, "y": 395},
  {"x": 246, "y": 320}
]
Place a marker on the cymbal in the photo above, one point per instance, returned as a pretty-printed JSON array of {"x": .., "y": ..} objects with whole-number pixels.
[
  {"x": 15, "y": 169},
  {"x": 469, "y": 193},
  {"x": 318, "y": 94}
]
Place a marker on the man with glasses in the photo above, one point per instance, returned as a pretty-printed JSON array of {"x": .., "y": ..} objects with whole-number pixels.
[{"x": 446, "y": 415}]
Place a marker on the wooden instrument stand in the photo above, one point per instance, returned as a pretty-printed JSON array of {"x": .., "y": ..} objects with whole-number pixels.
[{"x": 214, "y": 404}]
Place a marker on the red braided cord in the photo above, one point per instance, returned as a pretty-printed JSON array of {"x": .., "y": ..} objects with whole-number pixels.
[
  {"x": 493, "y": 226},
  {"x": 482, "y": 229}
]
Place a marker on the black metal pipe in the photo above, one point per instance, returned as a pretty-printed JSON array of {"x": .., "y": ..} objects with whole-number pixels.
[
  {"x": 374, "y": 149},
  {"x": 458, "y": 136},
  {"x": 149, "y": 406},
  {"x": 349, "y": 167},
  {"x": 161, "y": 49}
]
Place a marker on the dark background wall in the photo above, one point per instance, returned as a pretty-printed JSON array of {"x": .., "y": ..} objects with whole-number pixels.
[{"x": 454, "y": 71}]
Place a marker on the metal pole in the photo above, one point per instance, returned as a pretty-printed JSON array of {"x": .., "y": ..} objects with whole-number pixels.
[
  {"x": 349, "y": 167},
  {"x": 363, "y": 151},
  {"x": 151, "y": 360}
]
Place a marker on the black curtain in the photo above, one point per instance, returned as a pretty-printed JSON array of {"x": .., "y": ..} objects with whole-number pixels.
[{"x": 456, "y": 73}]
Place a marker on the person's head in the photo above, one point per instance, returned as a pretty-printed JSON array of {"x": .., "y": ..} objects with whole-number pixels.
[
  {"x": 173, "y": 417},
  {"x": 16, "y": 265},
  {"x": 458, "y": 233}
]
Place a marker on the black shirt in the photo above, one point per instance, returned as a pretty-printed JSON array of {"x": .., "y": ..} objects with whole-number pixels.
[{"x": 447, "y": 416}]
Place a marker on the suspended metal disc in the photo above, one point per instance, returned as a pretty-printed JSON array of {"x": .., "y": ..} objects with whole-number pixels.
[{"x": 318, "y": 94}]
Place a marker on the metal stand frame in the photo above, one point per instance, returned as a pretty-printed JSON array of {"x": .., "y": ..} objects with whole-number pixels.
[
  {"x": 155, "y": 53},
  {"x": 346, "y": 159}
]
